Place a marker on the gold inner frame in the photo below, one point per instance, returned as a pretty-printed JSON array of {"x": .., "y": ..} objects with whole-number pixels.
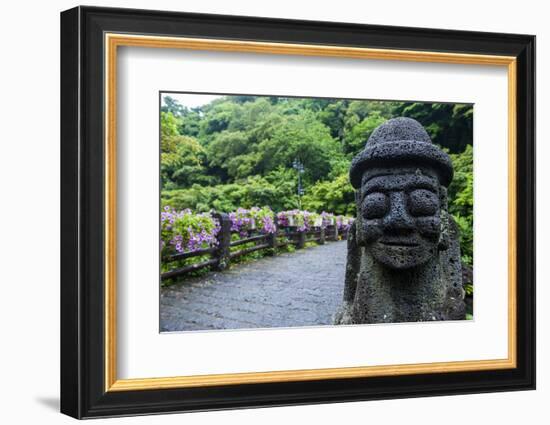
[{"x": 113, "y": 41}]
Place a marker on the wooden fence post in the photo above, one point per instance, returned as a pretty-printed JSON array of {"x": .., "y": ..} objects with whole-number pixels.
[
  {"x": 301, "y": 240},
  {"x": 333, "y": 232},
  {"x": 322, "y": 236},
  {"x": 222, "y": 253},
  {"x": 271, "y": 238}
]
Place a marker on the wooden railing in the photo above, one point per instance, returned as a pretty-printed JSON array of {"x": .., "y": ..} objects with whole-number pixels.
[{"x": 220, "y": 256}]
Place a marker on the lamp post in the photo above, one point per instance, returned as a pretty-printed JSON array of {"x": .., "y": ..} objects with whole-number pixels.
[{"x": 299, "y": 167}]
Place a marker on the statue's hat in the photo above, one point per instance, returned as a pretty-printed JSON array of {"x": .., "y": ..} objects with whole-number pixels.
[{"x": 401, "y": 141}]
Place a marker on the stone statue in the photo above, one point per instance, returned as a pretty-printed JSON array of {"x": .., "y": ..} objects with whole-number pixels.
[{"x": 403, "y": 261}]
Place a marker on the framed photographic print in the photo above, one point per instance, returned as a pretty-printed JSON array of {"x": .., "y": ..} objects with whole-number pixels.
[{"x": 261, "y": 212}]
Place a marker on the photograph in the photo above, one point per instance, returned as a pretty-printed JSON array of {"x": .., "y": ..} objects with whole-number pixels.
[{"x": 281, "y": 212}]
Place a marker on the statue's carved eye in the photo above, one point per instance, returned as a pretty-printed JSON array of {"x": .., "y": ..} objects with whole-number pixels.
[
  {"x": 423, "y": 202},
  {"x": 375, "y": 205}
]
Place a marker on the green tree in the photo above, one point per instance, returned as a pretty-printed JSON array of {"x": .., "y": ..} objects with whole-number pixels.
[
  {"x": 172, "y": 106},
  {"x": 168, "y": 127},
  {"x": 449, "y": 125},
  {"x": 300, "y": 137},
  {"x": 336, "y": 196},
  {"x": 181, "y": 158},
  {"x": 333, "y": 116},
  {"x": 357, "y": 135},
  {"x": 231, "y": 152},
  {"x": 461, "y": 200}
]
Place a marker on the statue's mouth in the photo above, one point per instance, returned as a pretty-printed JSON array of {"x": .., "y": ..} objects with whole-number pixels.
[{"x": 399, "y": 243}]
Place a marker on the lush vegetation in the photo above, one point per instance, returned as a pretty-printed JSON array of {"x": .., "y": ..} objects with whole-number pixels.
[
  {"x": 238, "y": 152},
  {"x": 186, "y": 232}
]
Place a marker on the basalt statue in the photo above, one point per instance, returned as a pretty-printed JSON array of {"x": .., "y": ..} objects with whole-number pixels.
[{"x": 403, "y": 262}]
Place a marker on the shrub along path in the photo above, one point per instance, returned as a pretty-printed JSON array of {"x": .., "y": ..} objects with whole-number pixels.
[{"x": 303, "y": 288}]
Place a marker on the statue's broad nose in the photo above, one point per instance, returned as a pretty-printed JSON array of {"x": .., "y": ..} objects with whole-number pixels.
[{"x": 398, "y": 220}]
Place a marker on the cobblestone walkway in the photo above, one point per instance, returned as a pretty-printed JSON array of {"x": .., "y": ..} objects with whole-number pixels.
[{"x": 303, "y": 288}]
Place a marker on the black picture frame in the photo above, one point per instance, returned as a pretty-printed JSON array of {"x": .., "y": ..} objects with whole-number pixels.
[{"x": 83, "y": 392}]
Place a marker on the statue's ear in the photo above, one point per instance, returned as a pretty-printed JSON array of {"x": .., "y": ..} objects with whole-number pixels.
[{"x": 444, "y": 214}]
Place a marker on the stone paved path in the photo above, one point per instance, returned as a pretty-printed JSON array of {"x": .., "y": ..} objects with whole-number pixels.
[{"x": 302, "y": 288}]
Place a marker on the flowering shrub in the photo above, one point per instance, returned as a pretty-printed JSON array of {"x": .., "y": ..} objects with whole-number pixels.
[
  {"x": 328, "y": 219},
  {"x": 184, "y": 231},
  {"x": 261, "y": 219},
  {"x": 302, "y": 220},
  {"x": 293, "y": 218},
  {"x": 266, "y": 217},
  {"x": 343, "y": 223},
  {"x": 305, "y": 220}
]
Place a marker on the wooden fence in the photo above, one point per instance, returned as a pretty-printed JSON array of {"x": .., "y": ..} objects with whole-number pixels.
[{"x": 219, "y": 257}]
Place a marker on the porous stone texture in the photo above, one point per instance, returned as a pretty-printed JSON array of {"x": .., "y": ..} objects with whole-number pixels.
[
  {"x": 403, "y": 262},
  {"x": 468, "y": 278},
  {"x": 401, "y": 141}
]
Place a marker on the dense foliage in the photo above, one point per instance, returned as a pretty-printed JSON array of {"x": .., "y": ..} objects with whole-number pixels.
[
  {"x": 184, "y": 231},
  {"x": 261, "y": 219},
  {"x": 238, "y": 152}
]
